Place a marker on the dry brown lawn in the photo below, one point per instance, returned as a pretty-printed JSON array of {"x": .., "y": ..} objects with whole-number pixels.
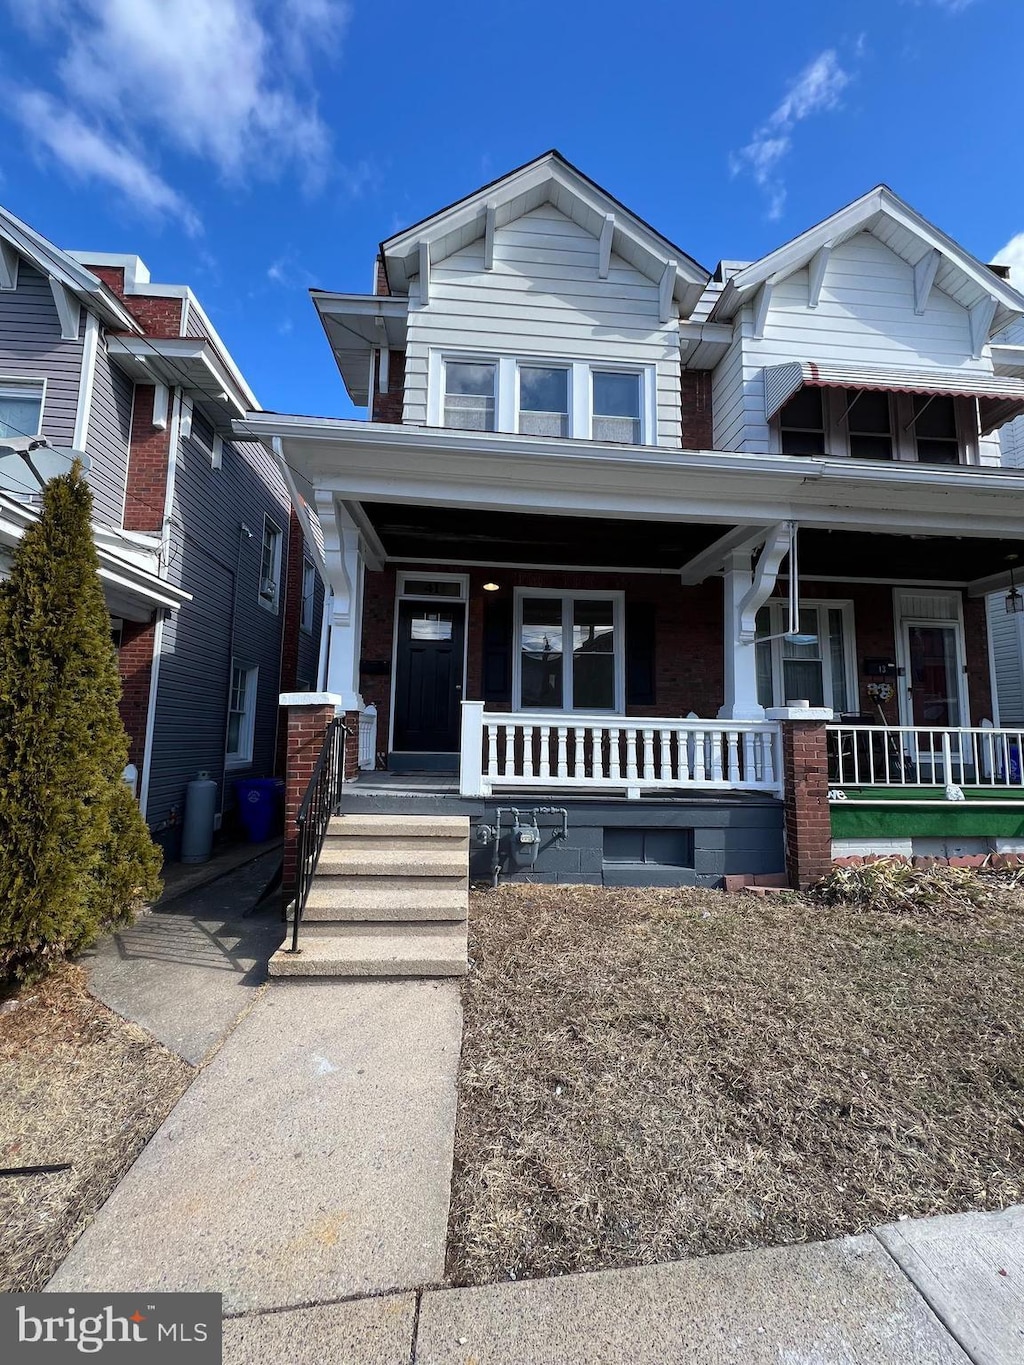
[
  {"x": 650, "y": 1075},
  {"x": 78, "y": 1084}
]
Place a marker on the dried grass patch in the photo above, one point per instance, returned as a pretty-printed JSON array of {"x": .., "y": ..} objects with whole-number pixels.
[
  {"x": 653, "y": 1074},
  {"x": 78, "y": 1084}
]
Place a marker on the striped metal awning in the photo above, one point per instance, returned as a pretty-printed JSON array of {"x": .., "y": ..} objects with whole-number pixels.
[{"x": 1000, "y": 399}]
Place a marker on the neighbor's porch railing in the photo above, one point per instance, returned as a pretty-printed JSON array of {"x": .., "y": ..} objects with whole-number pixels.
[
  {"x": 924, "y": 756},
  {"x": 615, "y": 753}
]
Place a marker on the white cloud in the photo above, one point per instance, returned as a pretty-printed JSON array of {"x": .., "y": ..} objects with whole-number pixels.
[
  {"x": 817, "y": 89},
  {"x": 1012, "y": 254},
  {"x": 223, "y": 81},
  {"x": 89, "y": 154}
]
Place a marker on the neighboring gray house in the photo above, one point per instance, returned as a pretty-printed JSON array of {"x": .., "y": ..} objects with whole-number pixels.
[{"x": 215, "y": 602}]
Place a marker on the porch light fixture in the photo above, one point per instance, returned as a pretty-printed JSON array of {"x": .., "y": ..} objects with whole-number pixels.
[
  {"x": 491, "y": 587},
  {"x": 1014, "y": 599}
]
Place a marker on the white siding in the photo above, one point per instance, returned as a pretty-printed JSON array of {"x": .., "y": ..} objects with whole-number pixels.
[
  {"x": 1006, "y": 633},
  {"x": 1011, "y": 441},
  {"x": 865, "y": 315},
  {"x": 543, "y": 297}
]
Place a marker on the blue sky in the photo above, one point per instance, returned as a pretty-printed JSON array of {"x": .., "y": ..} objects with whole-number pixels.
[{"x": 252, "y": 148}]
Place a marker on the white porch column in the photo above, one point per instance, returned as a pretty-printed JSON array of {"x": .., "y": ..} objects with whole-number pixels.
[
  {"x": 345, "y": 562},
  {"x": 740, "y": 655}
]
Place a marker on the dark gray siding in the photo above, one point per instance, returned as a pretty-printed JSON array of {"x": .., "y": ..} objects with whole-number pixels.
[
  {"x": 213, "y": 560},
  {"x": 31, "y": 347},
  {"x": 110, "y": 422},
  {"x": 193, "y": 324}
]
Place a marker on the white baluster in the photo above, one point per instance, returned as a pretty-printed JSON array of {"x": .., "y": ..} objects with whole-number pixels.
[
  {"x": 648, "y": 755},
  {"x": 631, "y": 772},
  {"x": 732, "y": 741},
  {"x": 682, "y": 757},
  {"x": 579, "y": 758},
  {"x": 614, "y": 771},
  {"x": 510, "y": 750},
  {"x": 527, "y": 750},
  {"x": 492, "y": 750},
  {"x": 699, "y": 772},
  {"x": 563, "y": 766},
  {"x": 751, "y": 770},
  {"x": 545, "y": 751},
  {"x": 768, "y": 757},
  {"x": 716, "y": 755},
  {"x": 665, "y": 750},
  {"x": 597, "y": 752}
]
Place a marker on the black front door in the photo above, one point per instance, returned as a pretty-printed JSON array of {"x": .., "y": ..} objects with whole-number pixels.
[{"x": 428, "y": 676}]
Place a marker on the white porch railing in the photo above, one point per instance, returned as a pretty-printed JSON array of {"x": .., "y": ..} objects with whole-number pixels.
[
  {"x": 368, "y": 738},
  {"x": 535, "y": 750},
  {"x": 923, "y": 756}
]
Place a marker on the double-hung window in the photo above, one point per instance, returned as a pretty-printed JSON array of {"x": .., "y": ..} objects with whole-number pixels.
[
  {"x": 935, "y": 429},
  {"x": 869, "y": 424},
  {"x": 469, "y": 394},
  {"x": 616, "y": 407},
  {"x": 270, "y": 565},
  {"x": 821, "y": 669},
  {"x": 802, "y": 423},
  {"x": 241, "y": 715},
  {"x": 570, "y": 651},
  {"x": 543, "y": 400},
  {"x": 21, "y": 407}
]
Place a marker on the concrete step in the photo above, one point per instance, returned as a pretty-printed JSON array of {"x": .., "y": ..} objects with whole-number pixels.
[
  {"x": 337, "y": 860},
  {"x": 442, "y": 827},
  {"x": 333, "y": 899},
  {"x": 410, "y": 843},
  {"x": 362, "y": 950},
  {"x": 340, "y": 928}
]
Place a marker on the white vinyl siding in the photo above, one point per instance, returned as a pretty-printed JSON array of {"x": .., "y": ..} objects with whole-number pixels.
[
  {"x": 865, "y": 316},
  {"x": 1006, "y": 637},
  {"x": 543, "y": 299}
]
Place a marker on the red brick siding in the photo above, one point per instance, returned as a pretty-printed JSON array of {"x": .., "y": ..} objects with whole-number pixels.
[
  {"x": 380, "y": 285},
  {"x": 147, "y": 465},
  {"x": 135, "y": 664},
  {"x": 695, "y": 407},
  {"x": 305, "y": 728},
  {"x": 160, "y": 317},
  {"x": 808, "y": 821},
  {"x": 979, "y": 686},
  {"x": 388, "y": 407}
]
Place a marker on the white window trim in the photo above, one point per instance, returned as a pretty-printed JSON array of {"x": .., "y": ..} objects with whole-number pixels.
[
  {"x": 308, "y": 569},
  {"x": 29, "y": 386},
  {"x": 242, "y": 757},
  {"x": 268, "y": 603},
  {"x": 778, "y": 622},
  {"x": 618, "y": 600},
  {"x": 506, "y": 395},
  {"x": 901, "y": 415}
]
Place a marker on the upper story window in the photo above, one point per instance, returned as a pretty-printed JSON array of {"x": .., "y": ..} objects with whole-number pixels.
[
  {"x": 543, "y": 401},
  {"x": 617, "y": 407},
  {"x": 574, "y": 399},
  {"x": 21, "y": 407},
  {"x": 469, "y": 394},
  {"x": 270, "y": 565},
  {"x": 869, "y": 424}
]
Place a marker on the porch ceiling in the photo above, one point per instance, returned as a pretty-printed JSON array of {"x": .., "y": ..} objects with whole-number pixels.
[
  {"x": 461, "y": 535},
  {"x": 458, "y": 534}
]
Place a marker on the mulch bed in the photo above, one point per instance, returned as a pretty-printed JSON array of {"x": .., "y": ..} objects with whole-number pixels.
[
  {"x": 648, "y": 1075},
  {"x": 78, "y": 1084}
]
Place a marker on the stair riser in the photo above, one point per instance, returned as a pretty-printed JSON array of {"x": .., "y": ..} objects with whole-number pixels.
[
  {"x": 413, "y": 843},
  {"x": 361, "y": 970},
  {"x": 378, "y": 869},
  {"x": 323, "y": 916},
  {"x": 417, "y": 826}
]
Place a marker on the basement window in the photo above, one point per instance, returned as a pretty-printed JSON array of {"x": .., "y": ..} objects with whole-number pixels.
[{"x": 648, "y": 847}]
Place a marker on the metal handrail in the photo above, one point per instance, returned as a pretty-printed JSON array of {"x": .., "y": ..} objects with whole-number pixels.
[{"x": 321, "y": 801}]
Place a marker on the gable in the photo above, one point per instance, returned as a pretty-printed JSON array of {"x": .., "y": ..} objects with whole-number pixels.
[{"x": 866, "y": 309}]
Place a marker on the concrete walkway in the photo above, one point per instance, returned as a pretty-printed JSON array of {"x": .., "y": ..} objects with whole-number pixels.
[
  {"x": 309, "y": 1161},
  {"x": 186, "y": 970}
]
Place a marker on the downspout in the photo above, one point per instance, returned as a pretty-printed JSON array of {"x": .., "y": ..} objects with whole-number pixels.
[{"x": 158, "y": 635}]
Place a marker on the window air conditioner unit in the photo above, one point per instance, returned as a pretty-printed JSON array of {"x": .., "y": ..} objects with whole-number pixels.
[{"x": 268, "y": 589}]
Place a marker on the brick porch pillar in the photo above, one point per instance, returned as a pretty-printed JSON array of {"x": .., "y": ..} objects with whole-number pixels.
[
  {"x": 308, "y": 716},
  {"x": 808, "y": 821}
]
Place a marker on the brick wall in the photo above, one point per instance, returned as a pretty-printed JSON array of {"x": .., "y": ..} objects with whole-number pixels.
[
  {"x": 807, "y": 816},
  {"x": 147, "y": 465},
  {"x": 135, "y": 664},
  {"x": 305, "y": 728},
  {"x": 387, "y": 407},
  {"x": 158, "y": 317},
  {"x": 695, "y": 399}
]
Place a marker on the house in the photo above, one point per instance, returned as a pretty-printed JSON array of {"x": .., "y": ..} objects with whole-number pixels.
[
  {"x": 668, "y": 548},
  {"x": 214, "y": 600}
]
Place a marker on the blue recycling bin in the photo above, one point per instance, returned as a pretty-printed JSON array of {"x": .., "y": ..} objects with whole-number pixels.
[{"x": 259, "y": 799}]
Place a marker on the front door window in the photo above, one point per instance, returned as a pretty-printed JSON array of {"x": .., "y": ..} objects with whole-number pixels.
[{"x": 934, "y": 683}]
